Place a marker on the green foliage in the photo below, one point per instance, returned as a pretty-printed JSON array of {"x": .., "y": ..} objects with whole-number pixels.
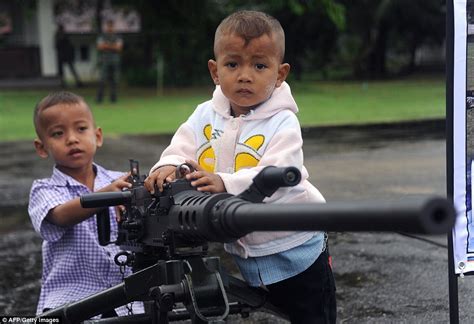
[
  {"x": 371, "y": 38},
  {"x": 140, "y": 76},
  {"x": 389, "y": 29},
  {"x": 336, "y": 12},
  {"x": 296, "y": 7},
  {"x": 183, "y": 33}
]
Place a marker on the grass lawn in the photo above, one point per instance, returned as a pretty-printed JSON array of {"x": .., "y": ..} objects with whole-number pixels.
[{"x": 142, "y": 111}]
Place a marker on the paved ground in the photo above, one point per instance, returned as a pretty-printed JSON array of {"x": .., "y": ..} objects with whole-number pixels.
[{"x": 381, "y": 278}]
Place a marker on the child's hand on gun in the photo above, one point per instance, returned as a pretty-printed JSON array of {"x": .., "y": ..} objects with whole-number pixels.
[
  {"x": 166, "y": 173},
  {"x": 118, "y": 185},
  {"x": 204, "y": 180}
]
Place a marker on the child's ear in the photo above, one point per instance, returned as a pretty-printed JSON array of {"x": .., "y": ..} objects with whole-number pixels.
[
  {"x": 40, "y": 149},
  {"x": 283, "y": 71},
  {"x": 212, "y": 66},
  {"x": 99, "y": 139}
]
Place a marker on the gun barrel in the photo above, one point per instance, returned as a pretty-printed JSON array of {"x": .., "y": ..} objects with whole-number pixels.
[
  {"x": 105, "y": 199},
  {"x": 428, "y": 216}
]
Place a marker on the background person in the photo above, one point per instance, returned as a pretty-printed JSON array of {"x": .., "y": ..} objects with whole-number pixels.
[
  {"x": 109, "y": 46},
  {"x": 65, "y": 56}
]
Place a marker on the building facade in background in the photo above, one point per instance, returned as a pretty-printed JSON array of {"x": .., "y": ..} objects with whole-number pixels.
[{"x": 27, "y": 30}]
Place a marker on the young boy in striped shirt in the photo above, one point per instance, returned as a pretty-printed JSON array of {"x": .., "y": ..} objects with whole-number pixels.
[{"x": 75, "y": 266}]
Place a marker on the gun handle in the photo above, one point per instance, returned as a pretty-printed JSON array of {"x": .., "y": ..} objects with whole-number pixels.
[{"x": 103, "y": 226}]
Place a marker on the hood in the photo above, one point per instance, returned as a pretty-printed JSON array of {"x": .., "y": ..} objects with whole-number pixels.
[{"x": 280, "y": 99}]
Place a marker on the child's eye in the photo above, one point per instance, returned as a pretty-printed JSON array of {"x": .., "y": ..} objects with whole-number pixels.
[
  {"x": 231, "y": 65},
  {"x": 260, "y": 66},
  {"x": 56, "y": 134},
  {"x": 82, "y": 128}
]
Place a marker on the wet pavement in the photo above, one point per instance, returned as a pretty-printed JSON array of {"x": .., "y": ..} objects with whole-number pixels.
[{"x": 380, "y": 277}]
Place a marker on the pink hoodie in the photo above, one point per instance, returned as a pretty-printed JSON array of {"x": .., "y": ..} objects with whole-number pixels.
[{"x": 237, "y": 148}]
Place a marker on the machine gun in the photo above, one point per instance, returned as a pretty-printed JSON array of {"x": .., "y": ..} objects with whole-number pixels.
[{"x": 167, "y": 234}]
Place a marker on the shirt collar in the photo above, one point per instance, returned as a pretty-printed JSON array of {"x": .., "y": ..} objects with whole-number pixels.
[{"x": 61, "y": 179}]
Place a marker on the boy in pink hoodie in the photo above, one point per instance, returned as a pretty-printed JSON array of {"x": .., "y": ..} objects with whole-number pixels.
[{"x": 250, "y": 123}]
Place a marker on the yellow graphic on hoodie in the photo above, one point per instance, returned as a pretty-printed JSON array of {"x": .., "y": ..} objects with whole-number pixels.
[
  {"x": 207, "y": 158},
  {"x": 247, "y": 153}
]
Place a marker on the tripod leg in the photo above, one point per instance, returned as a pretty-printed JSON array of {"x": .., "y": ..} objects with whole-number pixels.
[{"x": 157, "y": 315}]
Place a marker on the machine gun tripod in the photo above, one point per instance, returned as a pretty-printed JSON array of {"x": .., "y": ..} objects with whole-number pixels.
[{"x": 168, "y": 233}]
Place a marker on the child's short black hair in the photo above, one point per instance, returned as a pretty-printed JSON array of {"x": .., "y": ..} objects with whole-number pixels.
[
  {"x": 250, "y": 24},
  {"x": 55, "y": 98}
]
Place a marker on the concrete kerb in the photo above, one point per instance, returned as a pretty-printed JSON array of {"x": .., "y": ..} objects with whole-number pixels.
[{"x": 403, "y": 130}]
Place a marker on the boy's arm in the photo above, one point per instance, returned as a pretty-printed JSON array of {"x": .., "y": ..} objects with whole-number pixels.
[
  {"x": 116, "y": 45},
  {"x": 71, "y": 212},
  {"x": 112, "y": 46},
  {"x": 182, "y": 148}
]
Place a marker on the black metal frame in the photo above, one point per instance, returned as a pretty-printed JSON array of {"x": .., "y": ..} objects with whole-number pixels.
[
  {"x": 207, "y": 292},
  {"x": 452, "y": 277}
]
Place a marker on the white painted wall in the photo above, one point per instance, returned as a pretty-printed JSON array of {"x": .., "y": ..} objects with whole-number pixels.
[
  {"x": 87, "y": 70},
  {"x": 46, "y": 30}
]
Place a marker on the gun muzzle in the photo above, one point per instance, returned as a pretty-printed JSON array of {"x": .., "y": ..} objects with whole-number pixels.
[{"x": 234, "y": 219}]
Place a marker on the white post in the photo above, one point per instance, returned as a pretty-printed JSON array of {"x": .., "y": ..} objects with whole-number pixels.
[{"x": 46, "y": 30}]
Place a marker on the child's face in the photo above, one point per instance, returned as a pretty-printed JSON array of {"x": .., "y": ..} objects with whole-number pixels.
[
  {"x": 247, "y": 74},
  {"x": 68, "y": 134}
]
